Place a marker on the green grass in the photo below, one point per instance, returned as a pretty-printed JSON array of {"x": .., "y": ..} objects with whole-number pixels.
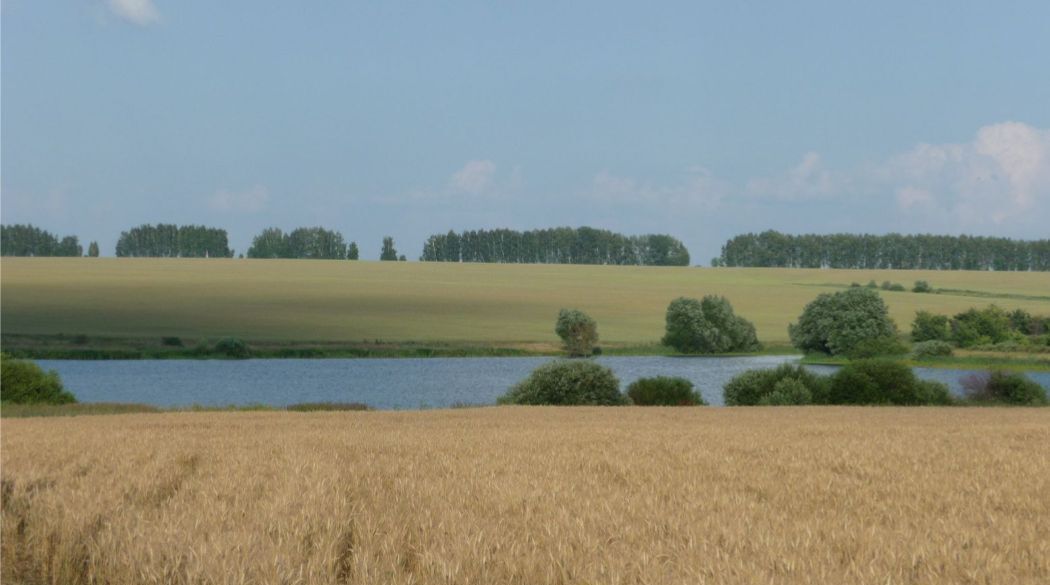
[
  {"x": 339, "y": 306},
  {"x": 961, "y": 362},
  {"x": 8, "y": 410}
]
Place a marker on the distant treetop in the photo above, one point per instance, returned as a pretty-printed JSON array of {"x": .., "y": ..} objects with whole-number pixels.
[
  {"x": 314, "y": 243},
  {"x": 562, "y": 245},
  {"x": 28, "y": 240},
  {"x": 896, "y": 251},
  {"x": 172, "y": 241}
]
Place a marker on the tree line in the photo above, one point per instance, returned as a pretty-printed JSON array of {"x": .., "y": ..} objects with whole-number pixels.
[
  {"x": 305, "y": 242},
  {"x": 897, "y": 251},
  {"x": 562, "y": 245},
  {"x": 172, "y": 241},
  {"x": 27, "y": 240}
]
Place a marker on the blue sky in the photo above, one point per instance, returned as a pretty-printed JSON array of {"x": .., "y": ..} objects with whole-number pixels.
[{"x": 698, "y": 119}]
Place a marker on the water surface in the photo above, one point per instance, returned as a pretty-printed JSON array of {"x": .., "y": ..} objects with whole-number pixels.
[{"x": 401, "y": 383}]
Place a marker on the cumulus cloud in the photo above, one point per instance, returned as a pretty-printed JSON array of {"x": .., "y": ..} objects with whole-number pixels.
[
  {"x": 475, "y": 177},
  {"x": 1002, "y": 174},
  {"x": 251, "y": 200},
  {"x": 697, "y": 188},
  {"x": 140, "y": 12},
  {"x": 807, "y": 180}
]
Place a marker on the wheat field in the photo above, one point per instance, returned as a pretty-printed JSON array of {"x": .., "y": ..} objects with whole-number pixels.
[
  {"x": 331, "y": 300},
  {"x": 531, "y": 495}
]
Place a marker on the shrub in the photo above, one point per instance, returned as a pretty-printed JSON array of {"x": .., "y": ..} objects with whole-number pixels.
[
  {"x": 921, "y": 286},
  {"x": 326, "y": 406},
  {"x": 871, "y": 284},
  {"x": 787, "y": 392},
  {"x": 879, "y": 381},
  {"x": 1004, "y": 387},
  {"x": 707, "y": 326},
  {"x": 980, "y": 326},
  {"x": 834, "y": 323},
  {"x": 171, "y": 341},
  {"x": 928, "y": 326},
  {"x": 566, "y": 382},
  {"x": 232, "y": 347},
  {"x": 753, "y": 386},
  {"x": 664, "y": 391},
  {"x": 930, "y": 349},
  {"x": 892, "y": 286},
  {"x": 933, "y": 393},
  {"x": 24, "y": 382},
  {"x": 578, "y": 331},
  {"x": 1022, "y": 321},
  {"x": 877, "y": 347}
]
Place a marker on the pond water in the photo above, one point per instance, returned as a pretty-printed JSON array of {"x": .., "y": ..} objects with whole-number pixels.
[{"x": 383, "y": 383}]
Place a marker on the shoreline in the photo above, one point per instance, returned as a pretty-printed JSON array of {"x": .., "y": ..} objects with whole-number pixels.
[{"x": 100, "y": 348}]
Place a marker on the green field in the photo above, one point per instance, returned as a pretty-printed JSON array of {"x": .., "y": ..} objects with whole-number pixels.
[{"x": 298, "y": 300}]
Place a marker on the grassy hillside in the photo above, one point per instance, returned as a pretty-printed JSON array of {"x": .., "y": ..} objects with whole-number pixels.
[
  {"x": 531, "y": 495},
  {"x": 286, "y": 300}
]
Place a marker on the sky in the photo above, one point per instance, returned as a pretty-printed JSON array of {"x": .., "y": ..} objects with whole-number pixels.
[{"x": 698, "y": 119}]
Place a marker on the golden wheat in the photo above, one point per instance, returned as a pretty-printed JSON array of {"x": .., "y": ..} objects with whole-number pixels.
[{"x": 531, "y": 495}]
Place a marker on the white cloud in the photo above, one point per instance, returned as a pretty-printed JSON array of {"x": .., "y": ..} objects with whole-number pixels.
[
  {"x": 908, "y": 197},
  {"x": 475, "y": 177},
  {"x": 252, "y": 200},
  {"x": 697, "y": 189},
  {"x": 808, "y": 180},
  {"x": 1003, "y": 174},
  {"x": 140, "y": 12}
]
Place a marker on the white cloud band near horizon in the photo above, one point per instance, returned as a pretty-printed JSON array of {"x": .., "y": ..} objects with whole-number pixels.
[{"x": 138, "y": 12}]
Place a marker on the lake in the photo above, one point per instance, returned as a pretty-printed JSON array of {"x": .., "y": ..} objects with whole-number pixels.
[{"x": 383, "y": 383}]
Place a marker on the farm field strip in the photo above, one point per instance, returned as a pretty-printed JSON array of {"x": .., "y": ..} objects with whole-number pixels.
[
  {"x": 434, "y": 302},
  {"x": 531, "y": 495}
]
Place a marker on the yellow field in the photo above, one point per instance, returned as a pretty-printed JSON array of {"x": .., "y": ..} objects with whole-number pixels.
[
  {"x": 531, "y": 496},
  {"x": 354, "y": 301}
]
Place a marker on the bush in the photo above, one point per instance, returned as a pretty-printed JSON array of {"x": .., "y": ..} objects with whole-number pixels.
[
  {"x": 892, "y": 286},
  {"x": 578, "y": 331},
  {"x": 787, "y": 392},
  {"x": 878, "y": 381},
  {"x": 980, "y": 326},
  {"x": 834, "y": 323},
  {"x": 1004, "y": 387},
  {"x": 566, "y": 382},
  {"x": 877, "y": 347},
  {"x": 24, "y": 382},
  {"x": 171, "y": 341},
  {"x": 871, "y": 284},
  {"x": 753, "y": 386},
  {"x": 931, "y": 393},
  {"x": 930, "y": 349},
  {"x": 234, "y": 348},
  {"x": 930, "y": 327},
  {"x": 921, "y": 286},
  {"x": 664, "y": 391},
  {"x": 707, "y": 326},
  {"x": 326, "y": 406}
]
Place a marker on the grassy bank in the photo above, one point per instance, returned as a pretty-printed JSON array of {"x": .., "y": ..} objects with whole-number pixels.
[
  {"x": 966, "y": 361},
  {"x": 84, "y": 347},
  {"x": 531, "y": 495},
  {"x": 8, "y": 410}
]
